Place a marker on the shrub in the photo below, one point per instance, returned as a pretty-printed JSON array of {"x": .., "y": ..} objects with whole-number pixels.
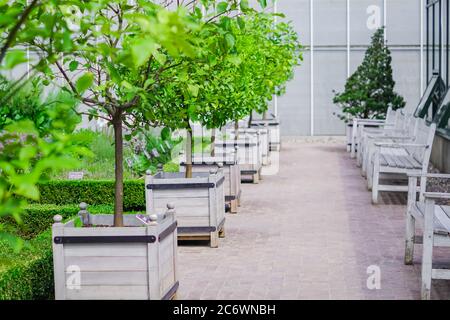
[
  {"x": 369, "y": 92},
  {"x": 93, "y": 192},
  {"x": 37, "y": 218},
  {"x": 28, "y": 275},
  {"x": 28, "y": 103}
]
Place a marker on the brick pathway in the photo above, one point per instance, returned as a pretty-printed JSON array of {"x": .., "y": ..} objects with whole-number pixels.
[{"x": 309, "y": 232}]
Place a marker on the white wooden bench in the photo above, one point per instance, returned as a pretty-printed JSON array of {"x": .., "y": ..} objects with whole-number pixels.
[
  {"x": 404, "y": 131},
  {"x": 358, "y": 124},
  {"x": 393, "y": 160},
  {"x": 367, "y": 134},
  {"x": 435, "y": 222}
]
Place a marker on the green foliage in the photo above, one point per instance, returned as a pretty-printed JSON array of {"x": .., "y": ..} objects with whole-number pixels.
[
  {"x": 101, "y": 164},
  {"x": 93, "y": 192},
  {"x": 151, "y": 150},
  {"x": 36, "y": 218},
  {"x": 27, "y": 275},
  {"x": 28, "y": 104},
  {"x": 369, "y": 92},
  {"x": 26, "y": 157},
  {"x": 240, "y": 64}
]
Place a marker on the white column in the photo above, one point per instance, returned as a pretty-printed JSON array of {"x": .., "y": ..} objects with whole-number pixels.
[
  {"x": 422, "y": 13},
  {"x": 385, "y": 21},
  {"x": 311, "y": 2},
  {"x": 348, "y": 38},
  {"x": 275, "y": 97}
]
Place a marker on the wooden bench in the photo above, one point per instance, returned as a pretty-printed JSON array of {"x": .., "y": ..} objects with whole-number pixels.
[
  {"x": 435, "y": 222},
  {"x": 395, "y": 126},
  {"x": 393, "y": 160},
  {"x": 359, "y": 124},
  {"x": 404, "y": 131}
]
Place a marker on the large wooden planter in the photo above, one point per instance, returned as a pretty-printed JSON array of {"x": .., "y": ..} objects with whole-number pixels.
[
  {"x": 249, "y": 155},
  {"x": 261, "y": 134},
  {"x": 274, "y": 128},
  {"x": 199, "y": 201},
  {"x": 230, "y": 169},
  {"x": 133, "y": 262}
]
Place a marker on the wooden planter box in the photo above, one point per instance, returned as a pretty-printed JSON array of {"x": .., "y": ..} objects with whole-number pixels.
[
  {"x": 199, "y": 201},
  {"x": 274, "y": 128},
  {"x": 129, "y": 263},
  {"x": 263, "y": 136},
  {"x": 249, "y": 156},
  {"x": 230, "y": 169}
]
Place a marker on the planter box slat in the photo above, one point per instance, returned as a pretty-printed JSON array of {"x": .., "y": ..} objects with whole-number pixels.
[
  {"x": 188, "y": 206},
  {"x": 109, "y": 293},
  {"x": 91, "y": 263},
  {"x": 113, "y": 278},
  {"x": 193, "y": 221},
  {"x": 184, "y": 193},
  {"x": 106, "y": 250}
]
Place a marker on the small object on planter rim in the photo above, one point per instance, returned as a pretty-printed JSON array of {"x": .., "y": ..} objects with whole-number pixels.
[
  {"x": 57, "y": 218},
  {"x": 147, "y": 219},
  {"x": 160, "y": 167},
  {"x": 84, "y": 214}
]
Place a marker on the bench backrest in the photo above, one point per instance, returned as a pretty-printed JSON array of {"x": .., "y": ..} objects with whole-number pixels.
[{"x": 424, "y": 136}]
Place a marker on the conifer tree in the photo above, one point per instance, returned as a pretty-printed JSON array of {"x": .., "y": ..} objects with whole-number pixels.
[{"x": 369, "y": 92}]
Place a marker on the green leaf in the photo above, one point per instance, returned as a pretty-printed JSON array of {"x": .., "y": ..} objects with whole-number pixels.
[
  {"x": 161, "y": 58},
  {"x": 84, "y": 82},
  {"x": 141, "y": 50},
  {"x": 193, "y": 89},
  {"x": 73, "y": 65},
  {"x": 241, "y": 23},
  {"x": 263, "y": 3},
  {"x": 222, "y": 7},
  {"x": 14, "y": 58},
  {"x": 244, "y": 5},
  {"x": 229, "y": 38},
  {"x": 165, "y": 133}
]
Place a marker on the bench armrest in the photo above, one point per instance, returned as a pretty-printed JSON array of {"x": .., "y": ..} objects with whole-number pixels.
[
  {"x": 400, "y": 145},
  {"x": 429, "y": 175},
  {"x": 390, "y": 137},
  {"x": 436, "y": 195},
  {"x": 369, "y": 121}
]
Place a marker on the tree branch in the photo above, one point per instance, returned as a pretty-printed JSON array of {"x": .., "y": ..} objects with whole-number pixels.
[{"x": 16, "y": 28}]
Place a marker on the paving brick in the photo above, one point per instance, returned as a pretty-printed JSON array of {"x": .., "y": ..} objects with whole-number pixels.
[{"x": 309, "y": 232}]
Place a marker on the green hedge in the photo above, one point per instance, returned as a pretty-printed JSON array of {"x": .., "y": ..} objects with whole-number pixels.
[
  {"x": 93, "y": 192},
  {"x": 39, "y": 217},
  {"x": 27, "y": 275}
]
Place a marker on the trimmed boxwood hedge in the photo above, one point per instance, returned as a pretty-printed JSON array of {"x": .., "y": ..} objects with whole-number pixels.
[
  {"x": 30, "y": 274},
  {"x": 39, "y": 217},
  {"x": 93, "y": 192}
]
